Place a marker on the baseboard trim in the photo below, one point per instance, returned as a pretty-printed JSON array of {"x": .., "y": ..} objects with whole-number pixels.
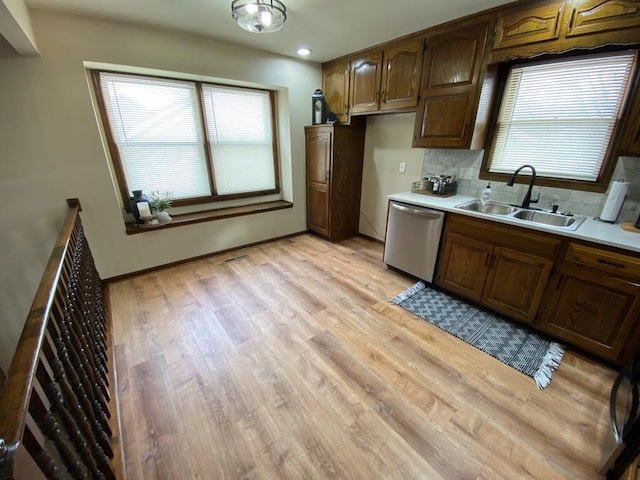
[
  {"x": 125, "y": 276},
  {"x": 369, "y": 237}
]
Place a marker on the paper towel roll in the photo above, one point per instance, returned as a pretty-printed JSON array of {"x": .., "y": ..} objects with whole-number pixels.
[{"x": 614, "y": 201}]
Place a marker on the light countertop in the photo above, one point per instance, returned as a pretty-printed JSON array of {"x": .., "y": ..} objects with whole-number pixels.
[{"x": 591, "y": 230}]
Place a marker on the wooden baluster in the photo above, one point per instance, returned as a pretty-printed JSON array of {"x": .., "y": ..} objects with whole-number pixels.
[
  {"x": 48, "y": 465},
  {"x": 74, "y": 390},
  {"x": 59, "y": 408},
  {"x": 78, "y": 358},
  {"x": 51, "y": 428},
  {"x": 73, "y": 405},
  {"x": 101, "y": 428},
  {"x": 78, "y": 346}
]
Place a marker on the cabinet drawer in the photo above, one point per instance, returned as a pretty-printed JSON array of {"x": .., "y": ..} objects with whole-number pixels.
[
  {"x": 499, "y": 234},
  {"x": 619, "y": 264}
]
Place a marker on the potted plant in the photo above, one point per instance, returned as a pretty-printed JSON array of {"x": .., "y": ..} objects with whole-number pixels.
[{"x": 160, "y": 202}]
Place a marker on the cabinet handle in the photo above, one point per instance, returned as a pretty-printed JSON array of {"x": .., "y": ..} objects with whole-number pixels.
[
  {"x": 559, "y": 282},
  {"x": 486, "y": 260},
  {"x": 609, "y": 262},
  {"x": 491, "y": 262},
  {"x": 326, "y": 176},
  {"x": 464, "y": 130}
]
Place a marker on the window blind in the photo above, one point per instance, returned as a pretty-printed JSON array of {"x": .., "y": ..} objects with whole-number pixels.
[
  {"x": 559, "y": 116},
  {"x": 239, "y": 127},
  {"x": 156, "y": 126}
]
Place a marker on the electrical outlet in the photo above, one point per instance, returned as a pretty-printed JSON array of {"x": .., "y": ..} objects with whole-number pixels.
[{"x": 403, "y": 167}]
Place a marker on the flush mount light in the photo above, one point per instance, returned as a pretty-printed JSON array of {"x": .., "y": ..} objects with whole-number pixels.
[
  {"x": 260, "y": 16},
  {"x": 304, "y": 52}
]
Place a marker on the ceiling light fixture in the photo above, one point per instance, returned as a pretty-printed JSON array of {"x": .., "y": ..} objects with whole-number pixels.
[
  {"x": 260, "y": 16},
  {"x": 304, "y": 52}
]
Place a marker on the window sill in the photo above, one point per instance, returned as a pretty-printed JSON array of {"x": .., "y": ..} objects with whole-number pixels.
[{"x": 210, "y": 215}]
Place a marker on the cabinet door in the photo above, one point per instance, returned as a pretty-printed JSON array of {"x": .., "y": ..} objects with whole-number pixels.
[
  {"x": 318, "y": 156},
  {"x": 516, "y": 282},
  {"x": 365, "y": 82},
  {"x": 335, "y": 87},
  {"x": 525, "y": 25},
  {"x": 592, "y": 310},
  {"x": 463, "y": 265},
  {"x": 401, "y": 75},
  {"x": 451, "y": 88},
  {"x": 596, "y": 16},
  {"x": 630, "y": 143}
]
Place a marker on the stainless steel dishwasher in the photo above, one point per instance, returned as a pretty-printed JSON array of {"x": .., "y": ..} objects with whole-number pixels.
[{"x": 413, "y": 237}]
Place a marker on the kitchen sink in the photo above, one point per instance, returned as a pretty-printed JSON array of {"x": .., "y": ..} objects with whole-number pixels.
[
  {"x": 540, "y": 217},
  {"x": 551, "y": 219},
  {"x": 490, "y": 208}
]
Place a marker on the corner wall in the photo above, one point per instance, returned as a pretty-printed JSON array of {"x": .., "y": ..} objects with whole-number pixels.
[{"x": 52, "y": 150}]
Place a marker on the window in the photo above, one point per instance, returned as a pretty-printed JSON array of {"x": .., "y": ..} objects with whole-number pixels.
[
  {"x": 203, "y": 142},
  {"x": 560, "y": 116}
]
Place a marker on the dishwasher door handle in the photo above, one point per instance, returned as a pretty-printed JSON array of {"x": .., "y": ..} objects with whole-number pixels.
[{"x": 416, "y": 211}]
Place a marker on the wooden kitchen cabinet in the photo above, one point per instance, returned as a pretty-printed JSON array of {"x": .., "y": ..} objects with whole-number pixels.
[
  {"x": 335, "y": 87},
  {"x": 630, "y": 142},
  {"x": 387, "y": 79},
  {"x": 450, "y": 92},
  {"x": 585, "y": 17},
  {"x": 401, "y": 69},
  {"x": 593, "y": 302},
  {"x": 528, "y": 23},
  {"x": 494, "y": 265},
  {"x": 334, "y": 155},
  {"x": 365, "y": 81},
  {"x": 530, "y": 29}
]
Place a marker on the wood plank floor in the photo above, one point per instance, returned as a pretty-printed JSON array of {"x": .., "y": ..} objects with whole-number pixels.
[{"x": 286, "y": 361}]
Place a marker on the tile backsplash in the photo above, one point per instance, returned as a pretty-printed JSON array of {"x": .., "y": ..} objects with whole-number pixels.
[{"x": 465, "y": 165}]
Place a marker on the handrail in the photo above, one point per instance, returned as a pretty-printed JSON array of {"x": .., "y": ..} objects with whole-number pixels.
[
  {"x": 54, "y": 409},
  {"x": 14, "y": 403}
]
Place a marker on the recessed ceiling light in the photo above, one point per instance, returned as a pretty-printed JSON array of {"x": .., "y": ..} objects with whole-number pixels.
[{"x": 304, "y": 52}]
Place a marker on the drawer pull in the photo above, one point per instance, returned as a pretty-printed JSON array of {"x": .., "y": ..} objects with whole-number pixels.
[{"x": 610, "y": 263}]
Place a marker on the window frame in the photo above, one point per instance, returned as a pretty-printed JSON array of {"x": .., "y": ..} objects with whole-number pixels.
[
  {"x": 608, "y": 166},
  {"x": 123, "y": 188}
]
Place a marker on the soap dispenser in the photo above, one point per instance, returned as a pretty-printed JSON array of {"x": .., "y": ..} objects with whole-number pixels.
[{"x": 485, "y": 196}]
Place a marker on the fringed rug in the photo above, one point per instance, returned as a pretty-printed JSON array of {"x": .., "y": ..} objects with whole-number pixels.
[{"x": 515, "y": 345}]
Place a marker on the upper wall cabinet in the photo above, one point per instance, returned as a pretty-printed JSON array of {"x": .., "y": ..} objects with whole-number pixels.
[
  {"x": 528, "y": 24},
  {"x": 630, "y": 143},
  {"x": 552, "y": 26},
  {"x": 335, "y": 87},
  {"x": 402, "y": 65},
  {"x": 452, "y": 67},
  {"x": 596, "y": 16},
  {"x": 387, "y": 79},
  {"x": 365, "y": 82}
]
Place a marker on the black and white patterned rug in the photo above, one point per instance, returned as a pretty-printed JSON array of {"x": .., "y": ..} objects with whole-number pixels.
[{"x": 517, "y": 346}]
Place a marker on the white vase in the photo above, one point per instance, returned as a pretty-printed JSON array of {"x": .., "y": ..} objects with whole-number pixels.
[{"x": 163, "y": 216}]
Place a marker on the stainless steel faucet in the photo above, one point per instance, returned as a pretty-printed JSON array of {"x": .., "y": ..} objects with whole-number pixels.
[{"x": 526, "y": 201}]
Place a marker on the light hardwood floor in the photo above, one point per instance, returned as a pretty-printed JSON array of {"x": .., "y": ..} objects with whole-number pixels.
[{"x": 286, "y": 361}]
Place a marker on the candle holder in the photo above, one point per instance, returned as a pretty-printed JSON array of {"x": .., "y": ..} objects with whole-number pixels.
[{"x": 149, "y": 220}]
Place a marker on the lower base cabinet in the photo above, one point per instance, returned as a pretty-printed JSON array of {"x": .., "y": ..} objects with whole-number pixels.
[
  {"x": 493, "y": 265},
  {"x": 583, "y": 294},
  {"x": 593, "y": 307}
]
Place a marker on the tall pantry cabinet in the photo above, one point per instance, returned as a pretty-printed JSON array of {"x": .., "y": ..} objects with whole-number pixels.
[{"x": 334, "y": 155}]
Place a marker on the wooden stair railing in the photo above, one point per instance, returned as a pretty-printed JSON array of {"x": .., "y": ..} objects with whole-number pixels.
[{"x": 58, "y": 414}]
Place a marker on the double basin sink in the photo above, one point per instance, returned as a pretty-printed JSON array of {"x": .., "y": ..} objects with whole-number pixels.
[{"x": 496, "y": 209}]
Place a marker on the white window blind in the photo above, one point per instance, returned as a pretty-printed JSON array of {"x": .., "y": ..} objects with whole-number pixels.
[
  {"x": 156, "y": 126},
  {"x": 238, "y": 123},
  {"x": 560, "y": 116}
]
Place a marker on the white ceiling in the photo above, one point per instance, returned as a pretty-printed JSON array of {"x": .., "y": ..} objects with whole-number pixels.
[{"x": 330, "y": 28}]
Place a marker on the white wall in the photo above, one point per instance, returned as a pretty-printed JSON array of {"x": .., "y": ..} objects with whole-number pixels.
[
  {"x": 387, "y": 143},
  {"x": 51, "y": 150}
]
